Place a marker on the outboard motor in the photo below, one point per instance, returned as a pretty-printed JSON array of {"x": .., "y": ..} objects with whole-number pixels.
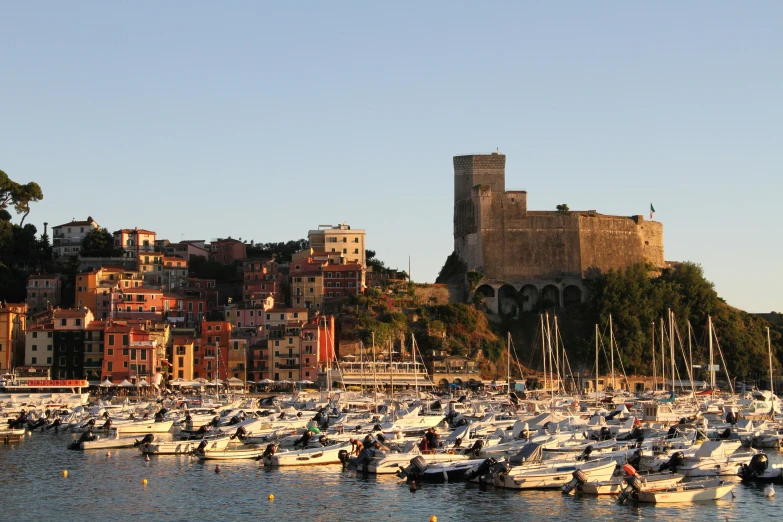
[
  {"x": 725, "y": 434},
  {"x": 579, "y": 478},
  {"x": 606, "y": 434},
  {"x": 87, "y": 436},
  {"x": 215, "y": 420},
  {"x": 241, "y": 433},
  {"x": 377, "y": 427},
  {"x": 759, "y": 463},
  {"x": 106, "y": 425},
  {"x": 731, "y": 418},
  {"x": 270, "y": 450},
  {"x": 584, "y": 456},
  {"x": 635, "y": 485},
  {"x": 56, "y": 424},
  {"x": 343, "y": 455},
  {"x": 475, "y": 450},
  {"x": 201, "y": 447},
  {"x": 636, "y": 458},
  {"x": 672, "y": 433},
  {"x": 149, "y": 437},
  {"x": 674, "y": 462}
]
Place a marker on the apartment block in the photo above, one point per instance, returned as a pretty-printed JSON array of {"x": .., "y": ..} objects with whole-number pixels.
[
  {"x": 43, "y": 291},
  {"x": 339, "y": 239},
  {"x": 67, "y": 238}
]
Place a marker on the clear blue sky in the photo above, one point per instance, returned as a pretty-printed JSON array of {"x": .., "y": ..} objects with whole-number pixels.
[{"x": 261, "y": 121}]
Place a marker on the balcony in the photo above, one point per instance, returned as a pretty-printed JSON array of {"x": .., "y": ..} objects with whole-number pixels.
[
  {"x": 92, "y": 364},
  {"x": 287, "y": 366}
]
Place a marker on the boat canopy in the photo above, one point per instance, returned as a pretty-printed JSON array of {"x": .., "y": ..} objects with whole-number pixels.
[{"x": 530, "y": 452}]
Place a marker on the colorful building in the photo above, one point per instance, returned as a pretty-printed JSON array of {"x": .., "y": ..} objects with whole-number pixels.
[
  {"x": 339, "y": 239},
  {"x": 135, "y": 242},
  {"x": 182, "y": 357},
  {"x": 12, "y": 338},
  {"x": 67, "y": 238},
  {"x": 69, "y": 342},
  {"x": 43, "y": 291},
  {"x": 227, "y": 251}
]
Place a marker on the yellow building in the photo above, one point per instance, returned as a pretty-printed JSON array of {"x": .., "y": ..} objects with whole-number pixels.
[
  {"x": 339, "y": 239},
  {"x": 12, "y": 338},
  {"x": 182, "y": 358},
  {"x": 237, "y": 358}
]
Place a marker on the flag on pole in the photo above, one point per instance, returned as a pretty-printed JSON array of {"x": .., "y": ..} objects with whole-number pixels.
[{"x": 652, "y": 211}]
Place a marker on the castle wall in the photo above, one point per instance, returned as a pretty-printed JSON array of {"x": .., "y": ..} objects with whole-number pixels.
[{"x": 496, "y": 234}]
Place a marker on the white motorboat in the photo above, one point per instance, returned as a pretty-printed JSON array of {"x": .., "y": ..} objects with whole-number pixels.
[
  {"x": 186, "y": 446},
  {"x": 615, "y": 486},
  {"x": 308, "y": 456},
  {"x": 112, "y": 441},
  {"x": 691, "y": 492},
  {"x": 391, "y": 463},
  {"x": 242, "y": 452}
]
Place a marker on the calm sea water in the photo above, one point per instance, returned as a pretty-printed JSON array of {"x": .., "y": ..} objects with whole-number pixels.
[{"x": 181, "y": 488}]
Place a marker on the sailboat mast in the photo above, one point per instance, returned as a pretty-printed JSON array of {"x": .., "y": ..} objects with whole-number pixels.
[
  {"x": 374, "y": 374},
  {"x": 652, "y": 340},
  {"x": 690, "y": 359},
  {"x": 611, "y": 347},
  {"x": 663, "y": 360},
  {"x": 543, "y": 349},
  {"x": 596, "y": 363},
  {"x": 671, "y": 343},
  {"x": 769, "y": 351},
  {"x": 712, "y": 368},
  {"x": 549, "y": 346},
  {"x": 557, "y": 357},
  {"x": 508, "y": 366},
  {"x": 415, "y": 368}
]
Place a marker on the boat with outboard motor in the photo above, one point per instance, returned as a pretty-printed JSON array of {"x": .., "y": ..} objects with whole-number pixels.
[
  {"x": 328, "y": 454},
  {"x": 684, "y": 492}
]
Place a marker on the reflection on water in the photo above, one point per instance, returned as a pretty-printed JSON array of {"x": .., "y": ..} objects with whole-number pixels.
[{"x": 182, "y": 488}]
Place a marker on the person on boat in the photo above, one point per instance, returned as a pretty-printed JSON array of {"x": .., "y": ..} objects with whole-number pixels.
[
  {"x": 356, "y": 446},
  {"x": 304, "y": 439},
  {"x": 379, "y": 447},
  {"x": 432, "y": 440}
]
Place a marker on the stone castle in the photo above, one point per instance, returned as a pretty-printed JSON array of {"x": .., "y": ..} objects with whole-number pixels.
[{"x": 531, "y": 258}]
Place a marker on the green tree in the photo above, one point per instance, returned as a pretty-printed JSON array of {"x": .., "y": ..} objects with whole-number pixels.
[
  {"x": 18, "y": 195},
  {"x": 100, "y": 243},
  {"x": 562, "y": 209}
]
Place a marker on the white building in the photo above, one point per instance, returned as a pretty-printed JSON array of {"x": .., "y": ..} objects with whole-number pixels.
[{"x": 67, "y": 238}]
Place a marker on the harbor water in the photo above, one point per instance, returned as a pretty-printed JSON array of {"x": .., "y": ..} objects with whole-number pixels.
[{"x": 98, "y": 486}]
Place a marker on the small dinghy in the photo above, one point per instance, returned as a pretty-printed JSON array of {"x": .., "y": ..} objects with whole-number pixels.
[
  {"x": 445, "y": 472},
  {"x": 309, "y": 456},
  {"x": 691, "y": 492},
  {"x": 615, "y": 486}
]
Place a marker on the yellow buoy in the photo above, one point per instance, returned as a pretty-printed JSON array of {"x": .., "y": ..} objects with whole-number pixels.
[
  {"x": 271, "y": 497},
  {"x": 108, "y": 453},
  {"x": 144, "y": 482},
  {"x": 65, "y": 473},
  {"x": 433, "y": 518}
]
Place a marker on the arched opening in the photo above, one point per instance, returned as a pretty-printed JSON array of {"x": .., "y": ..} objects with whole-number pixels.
[
  {"x": 507, "y": 300},
  {"x": 485, "y": 291},
  {"x": 550, "y": 296},
  {"x": 458, "y": 382},
  {"x": 443, "y": 383},
  {"x": 572, "y": 295},
  {"x": 528, "y": 298}
]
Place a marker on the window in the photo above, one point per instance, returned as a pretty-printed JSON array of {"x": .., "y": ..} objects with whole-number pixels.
[
  {"x": 181, "y": 361},
  {"x": 110, "y": 351},
  {"x": 109, "y": 366},
  {"x": 35, "y": 335},
  {"x": 63, "y": 322},
  {"x": 62, "y": 361},
  {"x": 48, "y": 347},
  {"x": 355, "y": 250},
  {"x": 141, "y": 309},
  {"x": 124, "y": 364},
  {"x": 217, "y": 328},
  {"x": 125, "y": 340},
  {"x": 35, "y": 347},
  {"x": 268, "y": 317},
  {"x": 345, "y": 239},
  {"x": 111, "y": 339},
  {"x": 356, "y": 240},
  {"x": 277, "y": 343},
  {"x": 290, "y": 340},
  {"x": 282, "y": 316},
  {"x": 143, "y": 355},
  {"x": 49, "y": 334},
  {"x": 125, "y": 352},
  {"x": 180, "y": 350},
  {"x": 152, "y": 309},
  {"x": 181, "y": 374},
  {"x": 34, "y": 360},
  {"x": 236, "y": 345}
]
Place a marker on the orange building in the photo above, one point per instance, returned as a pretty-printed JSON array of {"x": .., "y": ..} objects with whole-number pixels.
[
  {"x": 211, "y": 353},
  {"x": 129, "y": 353},
  {"x": 12, "y": 338},
  {"x": 135, "y": 241},
  {"x": 227, "y": 251}
]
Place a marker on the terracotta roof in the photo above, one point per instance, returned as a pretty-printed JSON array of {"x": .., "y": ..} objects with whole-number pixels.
[
  {"x": 76, "y": 224},
  {"x": 183, "y": 340},
  {"x": 285, "y": 310},
  {"x": 47, "y": 326},
  {"x": 70, "y": 312},
  {"x": 96, "y": 325},
  {"x": 142, "y": 290},
  {"x": 135, "y": 231},
  {"x": 44, "y": 276}
]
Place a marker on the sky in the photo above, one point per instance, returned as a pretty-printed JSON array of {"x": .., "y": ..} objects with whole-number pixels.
[{"x": 262, "y": 120}]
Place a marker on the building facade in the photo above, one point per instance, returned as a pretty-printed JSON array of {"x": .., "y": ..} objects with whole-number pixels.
[
  {"x": 67, "y": 238},
  {"x": 340, "y": 239}
]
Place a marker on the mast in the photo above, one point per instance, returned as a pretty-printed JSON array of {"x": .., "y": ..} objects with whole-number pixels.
[
  {"x": 415, "y": 368},
  {"x": 508, "y": 366},
  {"x": 361, "y": 367},
  {"x": 663, "y": 359},
  {"x": 769, "y": 351},
  {"x": 391, "y": 373},
  {"x": 549, "y": 346},
  {"x": 690, "y": 360},
  {"x": 596, "y": 363},
  {"x": 712, "y": 368},
  {"x": 543, "y": 349},
  {"x": 671, "y": 343},
  {"x": 652, "y": 339},
  {"x": 557, "y": 356},
  {"x": 374, "y": 374},
  {"x": 611, "y": 347}
]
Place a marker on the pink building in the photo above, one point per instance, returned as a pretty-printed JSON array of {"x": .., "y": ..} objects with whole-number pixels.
[
  {"x": 43, "y": 290},
  {"x": 135, "y": 241},
  {"x": 227, "y": 251}
]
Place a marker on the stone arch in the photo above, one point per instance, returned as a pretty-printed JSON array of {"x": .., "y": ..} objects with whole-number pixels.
[
  {"x": 443, "y": 383},
  {"x": 550, "y": 296},
  {"x": 572, "y": 295},
  {"x": 458, "y": 382},
  {"x": 507, "y": 300},
  {"x": 486, "y": 291},
  {"x": 528, "y": 298}
]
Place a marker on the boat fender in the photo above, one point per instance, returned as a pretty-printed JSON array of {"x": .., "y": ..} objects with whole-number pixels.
[{"x": 629, "y": 470}]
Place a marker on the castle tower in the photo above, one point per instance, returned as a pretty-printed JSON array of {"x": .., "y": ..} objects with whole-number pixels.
[{"x": 479, "y": 169}]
